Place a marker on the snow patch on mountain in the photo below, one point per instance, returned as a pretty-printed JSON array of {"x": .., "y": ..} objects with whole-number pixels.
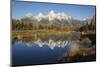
[{"x": 50, "y": 16}]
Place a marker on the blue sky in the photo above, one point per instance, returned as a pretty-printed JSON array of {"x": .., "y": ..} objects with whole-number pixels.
[{"x": 20, "y": 9}]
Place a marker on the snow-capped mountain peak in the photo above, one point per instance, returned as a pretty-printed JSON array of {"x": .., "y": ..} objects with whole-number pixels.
[
  {"x": 29, "y": 15},
  {"x": 39, "y": 16},
  {"x": 60, "y": 15},
  {"x": 50, "y": 16}
]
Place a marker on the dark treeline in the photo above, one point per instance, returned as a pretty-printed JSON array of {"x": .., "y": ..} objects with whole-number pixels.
[
  {"x": 21, "y": 24},
  {"x": 27, "y": 24},
  {"x": 89, "y": 26}
]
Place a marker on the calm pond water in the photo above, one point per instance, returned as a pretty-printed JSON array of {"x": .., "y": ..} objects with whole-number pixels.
[
  {"x": 41, "y": 52},
  {"x": 23, "y": 55}
]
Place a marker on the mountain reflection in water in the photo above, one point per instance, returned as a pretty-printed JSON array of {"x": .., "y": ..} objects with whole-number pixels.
[
  {"x": 45, "y": 51},
  {"x": 34, "y": 54},
  {"x": 51, "y": 43}
]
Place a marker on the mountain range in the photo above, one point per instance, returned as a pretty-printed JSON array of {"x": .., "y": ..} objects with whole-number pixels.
[{"x": 54, "y": 18}]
